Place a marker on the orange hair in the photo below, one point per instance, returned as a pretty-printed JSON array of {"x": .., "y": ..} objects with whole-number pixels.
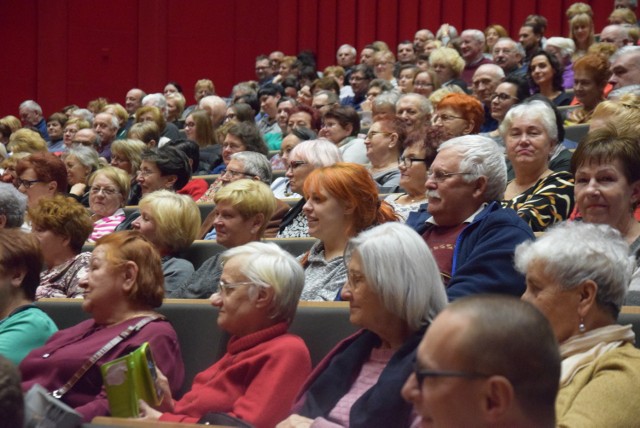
[{"x": 467, "y": 106}]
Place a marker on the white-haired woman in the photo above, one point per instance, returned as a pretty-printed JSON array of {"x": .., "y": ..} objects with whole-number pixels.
[
  {"x": 80, "y": 162},
  {"x": 540, "y": 196},
  {"x": 394, "y": 291},
  {"x": 304, "y": 158},
  {"x": 171, "y": 222},
  {"x": 577, "y": 275},
  {"x": 264, "y": 367}
]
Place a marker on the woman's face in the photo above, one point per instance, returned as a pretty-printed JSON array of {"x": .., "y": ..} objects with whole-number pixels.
[
  {"x": 326, "y": 215},
  {"x": 491, "y": 38},
  {"x": 503, "y": 98},
  {"x": 233, "y": 229},
  {"x": 231, "y": 145},
  {"x": 383, "y": 68},
  {"x": 541, "y": 71},
  {"x": 586, "y": 89},
  {"x": 405, "y": 81},
  {"x": 69, "y": 132},
  {"x": 103, "y": 285},
  {"x": 304, "y": 96},
  {"x": 190, "y": 128},
  {"x": 604, "y": 195},
  {"x": 118, "y": 160},
  {"x": 581, "y": 32},
  {"x": 528, "y": 143},
  {"x": 34, "y": 189},
  {"x": 76, "y": 172},
  {"x": 559, "y": 306},
  {"x": 379, "y": 142},
  {"x": 282, "y": 115},
  {"x": 104, "y": 197},
  {"x": 147, "y": 117},
  {"x": 333, "y": 131},
  {"x": 412, "y": 178},
  {"x": 284, "y": 70},
  {"x": 297, "y": 171},
  {"x": 288, "y": 143},
  {"x": 50, "y": 242},
  {"x": 443, "y": 71},
  {"x": 170, "y": 89},
  {"x": 172, "y": 110},
  {"x": 151, "y": 179},
  {"x": 451, "y": 123},
  {"x": 146, "y": 224},
  {"x": 423, "y": 85},
  {"x": 54, "y": 129},
  {"x": 299, "y": 120}
]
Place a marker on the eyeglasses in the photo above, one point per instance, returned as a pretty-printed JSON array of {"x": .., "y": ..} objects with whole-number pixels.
[
  {"x": 372, "y": 134},
  {"x": 225, "y": 288},
  {"x": 295, "y": 164},
  {"x": 440, "y": 176},
  {"x": 445, "y": 118},
  {"x": 356, "y": 79},
  {"x": 26, "y": 183},
  {"x": 145, "y": 172},
  {"x": 408, "y": 161},
  {"x": 422, "y": 374},
  {"x": 234, "y": 173},
  {"x": 421, "y": 84},
  {"x": 502, "y": 97},
  {"x": 189, "y": 124},
  {"x": 107, "y": 191}
]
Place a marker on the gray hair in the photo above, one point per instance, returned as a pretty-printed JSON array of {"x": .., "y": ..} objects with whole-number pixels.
[
  {"x": 494, "y": 69},
  {"x": 87, "y": 156},
  {"x": 155, "y": 100},
  {"x": 453, "y": 32},
  {"x": 31, "y": 105},
  {"x": 574, "y": 252},
  {"x": 477, "y": 35},
  {"x": 83, "y": 113},
  {"x": 400, "y": 268},
  {"x": 389, "y": 98},
  {"x": 617, "y": 93},
  {"x": 268, "y": 265},
  {"x": 625, "y": 50},
  {"x": 534, "y": 110},
  {"x": 255, "y": 164},
  {"x": 114, "y": 119},
  {"x": 332, "y": 98},
  {"x": 423, "y": 102},
  {"x": 319, "y": 153},
  {"x": 13, "y": 205},
  {"x": 567, "y": 46},
  {"x": 481, "y": 156},
  {"x": 351, "y": 49},
  {"x": 517, "y": 46}
]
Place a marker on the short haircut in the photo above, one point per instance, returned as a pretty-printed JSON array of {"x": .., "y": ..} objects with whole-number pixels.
[
  {"x": 47, "y": 166},
  {"x": 365, "y": 70},
  {"x": 11, "y": 399},
  {"x": 131, "y": 150},
  {"x": 189, "y": 148},
  {"x": 87, "y": 156},
  {"x": 170, "y": 161},
  {"x": 250, "y": 136},
  {"x": 450, "y": 57},
  {"x": 156, "y": 115},
  {"x": 521, "y": 84},
  {"x": 477, "y": 35},
  {"x": 332, "y": 97},
  {"x": 401, "y": 270},
  {"x": 316, "y": 119},
  {"x": 325, "y": 83},
  {"x": 31, "y": 105},
  {"x": 271, "y": 89},
  {"x": 112, "y": 119},
  {"x": 156, "y": 100},
  {"x": 205, "y": 84},
  {"x": 249, "y": 198},
  {"x": 118, "y": 176},
  {"x": 130, "y": 246},
  {"x": 176, "y": 217},
  {"x": 423, "y": 102},
  {"x": 61, "y": 118},
  {"x": 13, "y": 205},
  {"x": 532, "y": 110},
  {"x": 574, "y": 252},
  {"x": 180, "y": 102},
  {"x": 467, "y": 106},
  {"x": 319, "y": 153},
  {"x": 145, "y": 132},
  {"x": 596, "y": 66},
  {"x": 384, "y": 85},
  {"x": 345, "y": 116},
  {"x": 351, "y": 49},
  {"x": 531, "y": 362},
  {"x": 20, "y": 252},
  {"x": 626, "y": 50},
  {"x": 268, "y": 265},
  {"x": 26, "y": 140},
  {"x": 244, "y": 112},
  {"x": 255, "y": 164},
  {"x": 481, "y": 156},
  {"x": 567, "y": 46},
  {"x": 63, "y": 216}
]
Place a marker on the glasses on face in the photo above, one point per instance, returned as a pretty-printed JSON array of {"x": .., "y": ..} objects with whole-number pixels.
[
  {"x": 418, "y": 84},
  {"x": 356, "y": 78},
  {"x": 26, "y": 183},
  {"x": 408, "y": 161},
  {"x": 107, "y": 191},
  {"x": 440, "y": 176},
  {"x": 295, "y": 164},
  {"x": 189, "y": 124},
  {"x": 225, "y": 288},
  {"x": 422, "y": 374},
  {"x": 446, "y": 118},
  {"x": 372, "y": 134},
  {"x": 502, "y": 97},
  {"x": 145, "y": 172},
  {"x": 233, "y": 173}
]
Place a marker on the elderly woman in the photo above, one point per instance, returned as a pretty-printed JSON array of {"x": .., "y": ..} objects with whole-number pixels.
[
  {"x": 341, "y": 201},
  {"x": 539, "y": 195},
  {"x": 171, "y": 222},
  {"x": 511, "y": 91},
  {"x": 122, "y": 289},
  {"x": 384, "y": 144},
  {"x": 280, "y": 186},
  {"x": 264, "y": 367},
  {"x": 563, "y": 49},
  {"x": 341, "y": 126},
  {"x": 13, "y": 206},
  {"x": 591, "y": 76},
  {"x": 545, "y": 78},
  {"x": 62, "y": 226},
  {"x": 164, "y": 168},
  {"x": 80, "y": 162},
  {"x": 457, "y": 115},
  {"x": 23, "y": 326},
  {"x": 26, "y": 141},
  {"x": 394, "y": 291},
  {"x": 109, "y": 191},
  {"x": 72, "y": 126},
  {"x": 577, "y": 275},
  {"x": 55, "y": 129},
  {"x": 425, "y": 82},
  {"x": 304, "y": 158},
  {"x": 383, "y": 63},
  {"x": 41, "y": 175},
  {"x": 147, "y": 132},
  {"x": 448, "y": 65}
]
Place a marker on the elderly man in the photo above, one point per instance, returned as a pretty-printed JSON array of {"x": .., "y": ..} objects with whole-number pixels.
[
  {"x": 158, "y": 100},
  {"x": 420, "y": 40},
  {"x": 216, "y": 107},
  {"x": 415, "y": 110},
  {"x": 132, "y": 102},
  {"x": 616, "y": 34},
  {"x": 346, "y": 56},
  {"x": 31, "y": 116},
  {"x": 625, "y": 67},
  {"x": 485, "y": 80},
  {"x": 106, "y": 126},
  {"x": 508, "y": 54},
  {"x": 87, "y": 137},
  {"x": 472, "y": 47},
  {"x": 471, "y": 236},
  {"x": 323, "y": 100},
  {"x": 361, "y": 76},
  {"x": 486, "y": 361},
  {"x": 13, "y": 205}
]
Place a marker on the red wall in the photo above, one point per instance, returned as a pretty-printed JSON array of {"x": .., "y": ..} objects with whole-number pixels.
[{"x": 60, "y": 52}]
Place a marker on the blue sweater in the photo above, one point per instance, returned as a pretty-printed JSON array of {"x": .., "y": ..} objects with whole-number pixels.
[{"x": 483, "y": 254}]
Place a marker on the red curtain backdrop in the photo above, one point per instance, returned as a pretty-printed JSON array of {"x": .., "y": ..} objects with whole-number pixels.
[{"x": 59, "y": 52}]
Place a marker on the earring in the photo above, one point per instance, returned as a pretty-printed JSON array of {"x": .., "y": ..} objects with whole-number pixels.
[{"x": 581, "y": 326}]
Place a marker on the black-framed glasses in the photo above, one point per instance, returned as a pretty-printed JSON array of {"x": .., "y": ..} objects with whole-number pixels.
[
  {"x": 233, "y": 173},
  {"x": 502, "y": 97},
  {"x": 26, "y": 183},
  {"x": 295, "y": 164},
  {"x": 422, "y": 374},
  {"x": 440, "y": 176},
  {"x": 408, "y": 161}
]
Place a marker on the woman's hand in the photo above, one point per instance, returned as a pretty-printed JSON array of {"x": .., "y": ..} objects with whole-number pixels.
[
  {"x": 166, "y": 405},
  {"x": 295, "y": 421},
  {"x": 366, "y": 105},
  {"x": 148, "y": 413},
  {"x": 78, "y": 189}
]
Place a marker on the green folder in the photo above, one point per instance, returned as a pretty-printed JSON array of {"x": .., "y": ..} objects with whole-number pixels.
[{"x": 129, "y": 379}]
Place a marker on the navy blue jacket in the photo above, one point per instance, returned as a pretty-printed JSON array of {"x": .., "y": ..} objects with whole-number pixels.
[{"x": 483, "y": 254}]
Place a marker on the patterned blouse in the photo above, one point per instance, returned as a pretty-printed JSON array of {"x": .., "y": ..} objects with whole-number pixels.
[
  {"x": 547, "y": 202},
  {"x": 403, "y": 210},
  {"x": 323, "y": 279},
  {"x": 207, "y": 198},
  {"x": 63, "y": 280}
]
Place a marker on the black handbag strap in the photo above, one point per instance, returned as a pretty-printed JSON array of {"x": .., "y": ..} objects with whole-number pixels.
[{"x": 58, "y": 393}]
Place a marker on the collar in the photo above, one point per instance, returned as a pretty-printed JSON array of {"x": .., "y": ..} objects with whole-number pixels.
[{"x": 469, "y": 219}]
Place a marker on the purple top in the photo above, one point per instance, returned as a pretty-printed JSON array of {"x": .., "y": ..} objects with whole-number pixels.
[{"x": 53, "y": 364}]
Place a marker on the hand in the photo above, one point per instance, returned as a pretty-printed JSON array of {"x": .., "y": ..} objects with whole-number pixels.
[
  {"x": 366, "y": 105},
  {"x": 78, "y": 189},
  {"x": 166, "y": 405},
  {"x": 148, "y": 413},
  {"x": 295, "y": 421}
]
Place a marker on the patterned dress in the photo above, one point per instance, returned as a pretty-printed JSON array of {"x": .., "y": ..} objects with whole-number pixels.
[{"x": 63, "y": 280}]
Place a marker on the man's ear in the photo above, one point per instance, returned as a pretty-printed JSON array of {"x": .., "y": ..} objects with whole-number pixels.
[
  {"x": 480, "y": 187},
  {"x": 498, "y": 398}
]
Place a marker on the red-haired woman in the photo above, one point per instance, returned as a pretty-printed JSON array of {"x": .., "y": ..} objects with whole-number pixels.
[
  {"x": 342, "y": 201},
  {"x": 457, "y": 115}
]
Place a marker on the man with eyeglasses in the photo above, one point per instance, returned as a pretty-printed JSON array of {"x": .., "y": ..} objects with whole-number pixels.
[
  {"x": 489, "y": 361},
  {"x": 361, "y": 76},
  {"x": 508, "y": 54},
  {"x": 470, "y": 235},
  {"x": 485, "y": 81}
]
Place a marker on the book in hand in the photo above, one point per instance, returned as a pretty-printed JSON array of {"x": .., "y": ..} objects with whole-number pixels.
[{"x": 129, "y": 379}]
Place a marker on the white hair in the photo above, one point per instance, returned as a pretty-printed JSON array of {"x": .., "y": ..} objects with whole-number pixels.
[
  {"x": 255, "y": 164},
  {"x": 534, "y": 110},
  {"x": 423, "y": 102},
  {"x": 352, "y": 50},
  {"x": 319, "y": 153},
  {"x": 567, "y": 46},
  {"x": 400, "y": 268},
  {"x": 13, "y": 205},
  {"x": 625, "y": 50},
  {"x": 481, "y": 156},
  {"x": 31, "y": 105},
  {"x": 477, "y": 35},
  {"x": 494, "y": 69},
  {"x": 155, "y": 100},
  {"x": 574, "y": 252}
]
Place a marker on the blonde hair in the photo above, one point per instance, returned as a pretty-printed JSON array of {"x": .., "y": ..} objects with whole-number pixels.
[
  {"x": 26, "y": 140},
  {"x": 450, "y": 57},
  {"x": 249, "y": 198},
  {"x": 130, "y": 149}
]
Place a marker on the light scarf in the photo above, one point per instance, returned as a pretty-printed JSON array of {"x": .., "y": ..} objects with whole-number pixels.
[{"x": 581, "y": 350}]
